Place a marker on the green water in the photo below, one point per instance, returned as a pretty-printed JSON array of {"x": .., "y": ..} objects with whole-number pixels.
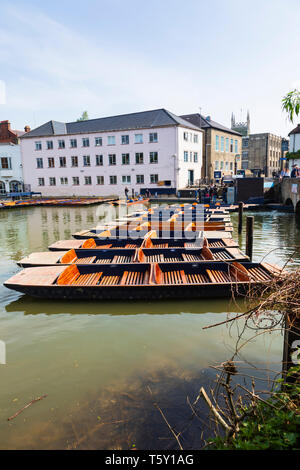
[{"x": 104, "y": 364}]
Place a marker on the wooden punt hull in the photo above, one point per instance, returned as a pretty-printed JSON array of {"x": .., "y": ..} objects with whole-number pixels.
[
  {"x": 127, "y": 256},
  {"x": 127, "y": 243},
  {"x": 142, "y": 281}
]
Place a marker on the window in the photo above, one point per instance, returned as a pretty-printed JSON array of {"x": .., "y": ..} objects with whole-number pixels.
[
  {"x": 61, "y": 144},
  {"x": 6, "y": 163},
  {"x": 49, "y": 145},
  {"x": 39, "y": 163},
  {"x": 153, "y": 179},
  {"x": 64, "y": 181},
  {"x": 52, "y": 181},
  {"x": 153, "y": 157},
  {"x": 86, "y": 160},
  {"x": 38, "y": 145},
  {"x": 217, "y": 143},
  {"x": 111, "y": 140},
  {"x": 139, "y": 158},
  {"x": 75, "y": 181},
  {"x": 236, "y": 146},
  {"x": 85, "y": 142},
  {"x": 113, "y": 180},
  {"x": 186, "y": 136},
  {"x": 226, "y": 166},
  {"x": 139, "y": 179},
  {"x": 138, "y": 138},
  {"x": 74, "y": 161},
  {"x": 125, "y": 159},
  {"x": 88, "y": 180},
  {"x": 153, "y": 137},
  {"x": 227, "y": 144},
  {"x": 98, "y": 141},
  {"x": 191, "y": 156},
  {"x": 51, "y": 163},
  {"x": 222, "y": 144},
  {"x": 231, "y": 166},
  {"x": 126, "y": 179},
  {"x": 99, "y": 160},
  {"x": 73, "y": 143},
  {"x": 195, "y": 138},
  {"x": 216, "y": 165},
  {"x": 100, "y": 179},
  {"x": 186, "y": 156},
  {"x": 112, "y": 159},
  {"x": 41, "y": 181},
  {"x": 231, "y": 145},
  {"x": 195, "y": 157},
  {"x": 125, "y": 139},
  {"x": 62, "y": 162},
  {"x": 221, "y": 165}
]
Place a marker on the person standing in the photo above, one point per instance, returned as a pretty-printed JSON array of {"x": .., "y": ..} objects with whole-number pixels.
[
  {"x": 295, "y": 171},
  {"x": 126, "y": 193}
]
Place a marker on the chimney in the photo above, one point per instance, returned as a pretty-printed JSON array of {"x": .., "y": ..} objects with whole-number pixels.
[
  {"x": 27, "y": 128},
  {"x": 5, "y": 125}
]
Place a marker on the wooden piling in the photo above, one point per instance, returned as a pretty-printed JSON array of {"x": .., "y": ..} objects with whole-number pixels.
[
  {"x": 249, "y": 236},
  {"x": 240, "y": 227}
]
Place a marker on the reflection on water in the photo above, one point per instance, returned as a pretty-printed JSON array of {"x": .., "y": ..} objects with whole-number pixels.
[{"x": 99, "y": 361}]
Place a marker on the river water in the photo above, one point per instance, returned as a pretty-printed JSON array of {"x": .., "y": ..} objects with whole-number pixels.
[{"x": 112, "y": 371}]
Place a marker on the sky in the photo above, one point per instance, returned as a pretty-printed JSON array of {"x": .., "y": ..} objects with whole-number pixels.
[{"x": 110, "y": 57}]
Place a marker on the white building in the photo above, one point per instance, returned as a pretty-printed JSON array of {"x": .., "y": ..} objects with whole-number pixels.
[
  {"x": 151, "y": 149},
  {"x": 11, "y": 176},
  {"x": 294, "y": 148}
]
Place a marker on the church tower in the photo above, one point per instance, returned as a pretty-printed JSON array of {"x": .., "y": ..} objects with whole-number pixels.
[{"x": 241, "y": 127}]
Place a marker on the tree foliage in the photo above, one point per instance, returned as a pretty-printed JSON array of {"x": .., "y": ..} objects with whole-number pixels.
[
  {"x": 84, "y": 116},
  {"x": 291, "y": 104}
]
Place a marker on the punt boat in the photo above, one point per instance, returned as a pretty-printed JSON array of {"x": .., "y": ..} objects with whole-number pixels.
[
  {"x": 111, "y": 243},
  {"x": 143, "y": 280},
  {"x": 141, "y": 255}
]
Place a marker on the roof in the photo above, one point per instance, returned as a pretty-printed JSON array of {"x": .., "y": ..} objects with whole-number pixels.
[
  {"x": 296, "y": 130},
  {"x": 205, "y": 123},
  {"x": 140, "y": 120}
]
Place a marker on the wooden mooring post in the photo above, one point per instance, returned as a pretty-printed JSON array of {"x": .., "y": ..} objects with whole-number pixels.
[
  {"x": 241, "y": 208},
  {"x": 249, "y": 236}
]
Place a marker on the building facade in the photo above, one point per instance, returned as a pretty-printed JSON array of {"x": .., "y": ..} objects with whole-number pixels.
[
  {"x": 221, "y": 147},
  {"x": 264, "y": 154},
  {"x": 293, "y": 156},
  {"x": 100, "y": 157},
  {"x": 11, "y": 174}
]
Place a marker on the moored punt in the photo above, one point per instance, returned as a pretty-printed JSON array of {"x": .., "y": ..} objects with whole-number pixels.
[
  {"x": 127, "y": 256},
  {"x": 111, "y": 243},
  {"x": 143, "y": 281}
]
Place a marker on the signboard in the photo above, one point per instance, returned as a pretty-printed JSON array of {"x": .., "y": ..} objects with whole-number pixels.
[
  {"x": 217, "y": 175},
  {"x": 230, "y": 195}
]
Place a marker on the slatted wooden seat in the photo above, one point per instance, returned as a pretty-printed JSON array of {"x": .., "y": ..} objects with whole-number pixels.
[
  {"x": 218, "y": 276},
  {"x": 90, "y": 279},
  {"x": 218, "y": 244},
  {"x": 122, "y": 259},
  {"x": 132, "y": 278},
  {"x": 85, "y": 260},
  {"x": 103, "y": 261},
  {"x": 259, "y": 274},
  {"x": 222, "y": 255},
  {"x": 158, "y": 258},
  {"x": 174, "y": 277},
  {"x": 197, "y": 278},
  {"x": 109, "y": 280},
  {"x": 190, "y": 257}
]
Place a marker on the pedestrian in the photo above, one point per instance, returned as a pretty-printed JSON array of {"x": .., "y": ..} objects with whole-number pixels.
[
  {"x": 126, "y": 193},
  {"x": 295, "y": 171}
]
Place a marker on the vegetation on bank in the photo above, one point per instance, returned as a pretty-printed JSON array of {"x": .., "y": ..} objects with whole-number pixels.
[{"x": 272, "y": 424}]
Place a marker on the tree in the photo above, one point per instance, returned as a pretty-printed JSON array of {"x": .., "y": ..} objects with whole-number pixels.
[
  {"x": 291, "y": 104},
  {"x": 84, "y": 116}
]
